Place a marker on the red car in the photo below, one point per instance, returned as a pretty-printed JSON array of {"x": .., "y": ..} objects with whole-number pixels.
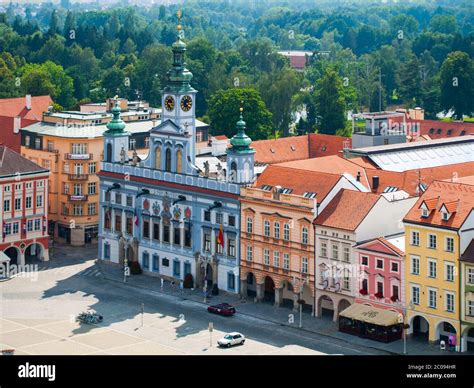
[{"x": 223, "y": 309}]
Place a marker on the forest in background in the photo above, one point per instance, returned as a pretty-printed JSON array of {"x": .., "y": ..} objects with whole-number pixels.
[{"x": 419, "y": 54}]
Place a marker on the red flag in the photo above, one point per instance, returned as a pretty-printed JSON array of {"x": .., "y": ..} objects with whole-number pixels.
[{"x": 220, "y": 236}]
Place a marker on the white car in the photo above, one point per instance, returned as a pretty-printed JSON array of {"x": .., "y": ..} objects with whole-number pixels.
[{"x": 231, "y": 339}]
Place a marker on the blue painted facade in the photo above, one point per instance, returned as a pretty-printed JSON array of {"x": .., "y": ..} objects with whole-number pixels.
[{"x": 163, "y": 211}]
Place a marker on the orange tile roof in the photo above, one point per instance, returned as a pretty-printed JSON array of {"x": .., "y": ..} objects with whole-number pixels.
[
  {"x": 292, "y": 148},
  {"x": 347, "y": 210},
  {"x": 299, "y": 180},
  {"x": 452, "y": 206},
  {"x": 13, "y": 107},
  {"x": 448, "y": 192},
  {"x": 431, "y": 203},
  {"x": 436, "y": 129}
]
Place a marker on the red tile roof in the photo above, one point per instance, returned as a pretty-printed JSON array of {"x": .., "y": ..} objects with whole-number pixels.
[
  {"x": 380, "y": 245},
  {"x": 347, "y": 210},
  {"x": 448, "y": 192},
  {"x": 436, "y": 129},
  {"x": 430, "y": 203},
  {"x": 292, "y": 148},
  {"x": 14, "y": 107},
  {"x": 299, "y": 180}
]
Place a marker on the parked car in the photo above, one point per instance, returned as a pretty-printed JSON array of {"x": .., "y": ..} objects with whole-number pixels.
[
  {"x": 231, "y": 339},
  {"x": 223, "y": 309}
]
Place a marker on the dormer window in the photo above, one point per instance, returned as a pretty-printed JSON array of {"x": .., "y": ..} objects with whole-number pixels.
[
  {"x": 425, "y": 213},
  {"x": 445, "y": 216}
]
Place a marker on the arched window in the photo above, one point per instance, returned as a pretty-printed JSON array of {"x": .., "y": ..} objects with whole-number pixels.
[
  {"x": 233, "y": 172},
  {"x": 158, "y": 157},
  {"x": 108, "y": 157},
  {"x": 168, "y": 160},
  {"x": 179, "y": 161}
]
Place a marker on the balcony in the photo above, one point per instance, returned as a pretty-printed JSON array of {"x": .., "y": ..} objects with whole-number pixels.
[
  {"x": 78, "y": 177},
  {"x": 78, "y": 156},
  {"x": 77, "y": 198}
]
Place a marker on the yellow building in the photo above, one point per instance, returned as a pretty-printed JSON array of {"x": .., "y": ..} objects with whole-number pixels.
[
  {"x": 70, "y": 145},
  {"x": 437, "y": 232}
]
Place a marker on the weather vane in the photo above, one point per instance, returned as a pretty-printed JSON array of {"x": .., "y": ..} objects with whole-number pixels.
[{"x": 179, "y": 14}]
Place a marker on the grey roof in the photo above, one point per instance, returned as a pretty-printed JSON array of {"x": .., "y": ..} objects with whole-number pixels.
[
  {"x": 423, "y": 154},
  {"x": 92, "y": 131},
  {"x": 468, "y": 254},
  {"x": 12, "y": 163}
]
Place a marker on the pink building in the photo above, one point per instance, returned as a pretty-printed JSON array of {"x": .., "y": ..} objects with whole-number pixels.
[{"x": 381, "y": 276}]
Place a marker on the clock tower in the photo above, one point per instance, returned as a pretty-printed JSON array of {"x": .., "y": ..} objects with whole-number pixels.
[{"x": 179, "y": 97}]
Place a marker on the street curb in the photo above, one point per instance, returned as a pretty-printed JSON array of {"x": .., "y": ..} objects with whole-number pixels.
[{"x": 248, "y": 315}]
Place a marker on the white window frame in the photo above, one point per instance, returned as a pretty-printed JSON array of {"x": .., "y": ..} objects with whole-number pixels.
[
  {"x": 413, "y": 260},
  {"x": 415, "y": 238},
  {"x": 446, "y": 295},
  {"x": 428, "y": 296},
  {"x": 435, "y": 239},
  {"x": 448, "y": 264},
  {"x": 415, "y": 297},
  {"x": 447, "y": 245},
  {"x": 429, "y": 262}
]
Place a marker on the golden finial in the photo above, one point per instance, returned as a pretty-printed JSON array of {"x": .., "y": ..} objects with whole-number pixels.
[{"x": 179, "y": 14}]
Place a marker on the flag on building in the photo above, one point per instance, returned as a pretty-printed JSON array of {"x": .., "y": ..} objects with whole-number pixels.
[{"x": 220, "y": 236}]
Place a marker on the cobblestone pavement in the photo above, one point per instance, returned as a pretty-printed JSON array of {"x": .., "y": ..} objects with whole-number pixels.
[{"x": 37, "y": 317}]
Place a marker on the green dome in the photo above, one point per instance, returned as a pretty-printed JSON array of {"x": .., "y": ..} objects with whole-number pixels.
[
  {"x": 240, "y": 142},
  {"x": 116, "y": 125}
]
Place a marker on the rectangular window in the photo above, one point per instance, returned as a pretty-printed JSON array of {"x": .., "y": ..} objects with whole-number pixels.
[
  {"x": 470, "y": 275},
  {"x": 16, "y": 228},
  {"x": 129, "y": 224},
  {"x": 335, "y": 251},
  {"x": 207, "y": 216},
  {"x": 450, "y": 302},
  {"x": 346, "y": 282},
  {"x": 364, "y": 260},
  {"x": 286, "y": 232},
  {"x": 395, "y": 292},
  {"x": 415, "y": 265},
  {"x": 266, "y": 257},
  {"x": 379, "y": 264},
  {"x": 118, "y": 221},
  {"x": 38, "y": 224},
  {"x": 286, "y": 261},
  {"x": 380, "y": 288},
  {"x": 77, "y": 189},
  {"x": 129, "y": 201},
  {"x": 276, "y": 230},
  {"x": 146, "y": 229},
  {"x": 432, "y": 298},
  {"x": 266, "y": 228},
  {"x": 231, "y": 220},
  {"x": 449, "y": 268},
  {"x": 324, "y": 249},
  {"x": 29, "y": 225},
  {"x": 92, "y": 188},
  {"x": 276, "y": 259},
  {"x": 231, "y": 252},
  {"x": 415, "y": 295},
  {"x": 470, "y": 308},
  {"x": 77, "y": 210},
  {"x": 249, "y": 225},
  {"x": 207, "y": 241},
  {"x": 346, "y": 253},
  {"x": 187, "y": 235},
  {"x": 177, "y": 235},
  {"x": 166, "y": 234},
  {"x": 92, "y": 208},
  {"x": 39, "y": 201},
  {"x": 118, "y": 198},
  {"x": 17, "y": 203},
  {"x": 219, "y": 218},
  {"x": 6, "y": 205},
  {"x": 432, "y": 241},
  {"x": 304, "y": 265},
  {"x": 431, "y": 268},
  {"x": 156, "y": 231},
  {"x": 249, "y": 253},
  {"x": 415, "y": 238},
  {"x": 394, "y": 267},
  {"x": 8, "y": 229},
  {"x": 304, "y": 236},
  {"x": 92, "y": 168},
  {"x": 79, "y": 149},
  {"x": 449, "y": 244},
  {"x": 28, "y": 202}
]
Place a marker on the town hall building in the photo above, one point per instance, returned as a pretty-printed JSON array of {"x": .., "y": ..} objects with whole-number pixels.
[{"x": 178, "y": 221}]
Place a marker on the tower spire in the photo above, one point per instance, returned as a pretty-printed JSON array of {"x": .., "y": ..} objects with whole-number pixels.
[
  {"x": 115, "y": 126},
  {"x": 240, "y": 141}
]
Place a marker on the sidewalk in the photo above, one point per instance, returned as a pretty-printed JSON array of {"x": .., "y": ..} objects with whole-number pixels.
[{"x": 322, "y": 326}]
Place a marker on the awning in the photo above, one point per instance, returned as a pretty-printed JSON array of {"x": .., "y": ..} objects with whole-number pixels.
[
  {"x": 4, "y": 258},
  {"x": 369, "y": 314}
]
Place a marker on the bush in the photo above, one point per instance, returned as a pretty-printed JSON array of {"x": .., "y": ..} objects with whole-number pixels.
[
  {"x": 188, "y": 281},
  {"x": 135, "y": 268}
]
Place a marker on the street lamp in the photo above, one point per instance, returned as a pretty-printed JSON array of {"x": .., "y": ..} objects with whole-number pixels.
[
  {"x": 300, "y": 282},
  {"x": 205, "y": 261},
  {"x": 405, "y": 325},
  {"x": 126, "y": 268}
]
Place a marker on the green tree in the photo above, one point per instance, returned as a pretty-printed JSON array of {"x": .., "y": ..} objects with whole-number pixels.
[
  {"x": 223, "y": 112},
  {"x": 457, "y": 84},
  {"x": 409, "y": 81},
  {"x": 330, "y": 103}
]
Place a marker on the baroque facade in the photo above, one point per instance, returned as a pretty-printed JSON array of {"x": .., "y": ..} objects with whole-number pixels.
[{"x": 176, "y": 220}]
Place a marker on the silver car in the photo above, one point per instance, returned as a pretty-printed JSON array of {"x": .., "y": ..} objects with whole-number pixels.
[{"x": 231, "y": 339}]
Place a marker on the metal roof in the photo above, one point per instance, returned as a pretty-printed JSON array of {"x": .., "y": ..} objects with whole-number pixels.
[{"x": 426, "y": 154}]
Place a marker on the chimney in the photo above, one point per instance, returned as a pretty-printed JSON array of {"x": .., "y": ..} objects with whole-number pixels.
[
  {"x": 375, "y": 182},
  {"x": 358, "y": 176},
  {"x": 28, "y": 101},
  {"x": 16, "y": 124}
]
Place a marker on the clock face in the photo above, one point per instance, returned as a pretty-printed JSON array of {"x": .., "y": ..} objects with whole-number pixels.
[
  {"x": 186, "y": 103},
  {"x": 169, "y": 103}
]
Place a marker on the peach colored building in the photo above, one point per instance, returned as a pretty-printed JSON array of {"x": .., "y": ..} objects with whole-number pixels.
[{"x": 277, "y": 241}]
